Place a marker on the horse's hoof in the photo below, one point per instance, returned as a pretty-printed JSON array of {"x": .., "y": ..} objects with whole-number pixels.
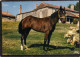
[
  {"x": 47, "y": 48},
  {"x": 26, "y": 47},
  {"x": 44, "y": 49},
  {"x": 22, "y": 49}
]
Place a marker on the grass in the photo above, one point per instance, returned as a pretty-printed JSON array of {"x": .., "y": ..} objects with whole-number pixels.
[{"x": 35, "y": 40}]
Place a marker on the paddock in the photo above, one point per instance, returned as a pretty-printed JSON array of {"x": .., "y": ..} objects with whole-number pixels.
[{"x": 35, "y": 40}]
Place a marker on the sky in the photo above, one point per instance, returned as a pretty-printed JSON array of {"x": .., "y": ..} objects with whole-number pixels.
[{"x": 13, "y": 6}]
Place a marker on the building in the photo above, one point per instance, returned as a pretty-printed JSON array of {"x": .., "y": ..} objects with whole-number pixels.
[
  {"x": 6, "y": 16},
  {"x": 44, "y": 10}
]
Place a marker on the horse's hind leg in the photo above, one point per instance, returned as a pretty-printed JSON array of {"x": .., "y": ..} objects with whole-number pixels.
[
  {"x": 26, "y": 34},
  {"x": 22, "y": 42}
]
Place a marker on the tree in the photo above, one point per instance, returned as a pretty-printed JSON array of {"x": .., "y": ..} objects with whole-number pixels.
[
  {"x": 69, "y": 6},
  {"x": 76, "y": 7}
]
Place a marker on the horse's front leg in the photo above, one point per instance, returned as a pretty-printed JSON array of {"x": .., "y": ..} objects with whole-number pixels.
[
  {"x": 25, "y": 43},
  {"x": 49, "y": 36},
  {"x": 45, "y": 39},
  {"x": 44, "y": 44}
]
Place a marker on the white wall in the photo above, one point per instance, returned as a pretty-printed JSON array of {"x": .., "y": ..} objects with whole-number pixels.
[{"x": 41, "y": 13}]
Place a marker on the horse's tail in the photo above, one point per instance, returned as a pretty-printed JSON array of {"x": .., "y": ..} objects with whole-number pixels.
[{"x": 20, "y": 27}]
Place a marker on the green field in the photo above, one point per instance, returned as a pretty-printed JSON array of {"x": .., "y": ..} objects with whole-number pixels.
[{"x": 58, "y": 44}]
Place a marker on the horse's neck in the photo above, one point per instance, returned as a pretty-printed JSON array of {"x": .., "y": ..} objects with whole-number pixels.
[{"x": 54, "y": 18}]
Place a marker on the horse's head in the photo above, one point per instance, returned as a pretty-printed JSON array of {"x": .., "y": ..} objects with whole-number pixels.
[{"x": 61, "y": 14}]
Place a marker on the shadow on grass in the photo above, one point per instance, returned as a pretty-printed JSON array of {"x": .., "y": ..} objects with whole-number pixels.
[{"x": 52, "y": 47}]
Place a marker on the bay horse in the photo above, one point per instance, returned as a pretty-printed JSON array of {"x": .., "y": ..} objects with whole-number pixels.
[{"x": 45, "y": 25}]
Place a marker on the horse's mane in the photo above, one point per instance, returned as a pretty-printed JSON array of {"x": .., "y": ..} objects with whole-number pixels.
[{"x": 55, "y": 14}]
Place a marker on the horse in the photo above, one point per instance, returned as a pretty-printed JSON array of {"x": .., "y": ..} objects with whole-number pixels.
[{"x": 45, "y": 25}]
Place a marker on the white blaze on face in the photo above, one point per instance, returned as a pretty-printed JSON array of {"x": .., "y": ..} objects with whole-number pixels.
[{"x": 21, "y": 47}]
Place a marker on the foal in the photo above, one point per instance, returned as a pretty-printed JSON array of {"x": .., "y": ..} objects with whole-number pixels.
[{"x": 45, "y": 25}]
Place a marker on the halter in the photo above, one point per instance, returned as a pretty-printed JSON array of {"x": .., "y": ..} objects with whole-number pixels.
[{"x": 59, "y": 15}]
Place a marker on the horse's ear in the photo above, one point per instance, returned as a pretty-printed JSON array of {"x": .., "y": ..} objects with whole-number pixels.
[
  {"x": 60, "y": 7},
  {"x": 64, "y": 8}
]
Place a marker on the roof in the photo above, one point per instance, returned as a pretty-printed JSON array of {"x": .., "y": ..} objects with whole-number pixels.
[
  {"x": 71, "y": 14},
  {"x": 7, "y": 14},
  {"x": 42, "y": 5}
]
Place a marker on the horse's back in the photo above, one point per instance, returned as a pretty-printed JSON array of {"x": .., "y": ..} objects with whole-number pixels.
[{"x": 38, "y": 24}]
